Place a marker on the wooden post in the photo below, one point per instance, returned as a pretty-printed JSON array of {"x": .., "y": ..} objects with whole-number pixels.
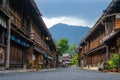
[
  {"x": 82, "y": 62},
  {"x": 107, "y": 52},
  {"x": 29, "y": 56},
  {"x": 79, "y": 64},
  {"x": 8, "y": 44},
  {"x": 106, "y": 30}
]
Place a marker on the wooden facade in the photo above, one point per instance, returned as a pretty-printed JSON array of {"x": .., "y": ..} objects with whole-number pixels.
[
  {"x": 30, "y": 40},
  {"x": 102, "y": 40}
]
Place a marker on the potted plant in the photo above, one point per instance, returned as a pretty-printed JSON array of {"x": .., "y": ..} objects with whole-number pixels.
[
  {"x": 40, "y": 67},
  {"x": 106, "y": 68},
  {"x": 115, "y": 62},
  {"x": 113, "y": 66},
  {"x": 37, "y": 67},
  {"x": 114, "y": 70},
  {"x": 31, "y": 63}
]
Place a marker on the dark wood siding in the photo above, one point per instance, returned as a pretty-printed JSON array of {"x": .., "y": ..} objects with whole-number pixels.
[{"x": 16, "y": 56}]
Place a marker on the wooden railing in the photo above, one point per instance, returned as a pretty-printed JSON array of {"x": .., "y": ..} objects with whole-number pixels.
[
  {"x": 17, "y": 23},
  {"x": 15, "y": 20},
  {"x": 94, "y": 43},
  {"x": 87, "y": 46},
  {"x": 83, "y": 50},
  {"x": 101, "y": 38},
  {"x": 24, "y": 29},
  {"x": 38, "y": 40}
]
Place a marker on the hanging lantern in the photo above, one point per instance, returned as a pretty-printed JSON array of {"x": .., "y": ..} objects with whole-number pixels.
[{"x": 47, "y": 38}]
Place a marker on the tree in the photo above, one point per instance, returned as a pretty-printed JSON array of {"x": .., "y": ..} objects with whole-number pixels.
[
  {"x": 75, "y": 59},
  {"x": 72, "y": 49},
  {"x": 62, "y": 45}
]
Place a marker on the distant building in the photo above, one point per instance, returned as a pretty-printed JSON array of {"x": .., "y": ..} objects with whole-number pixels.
[
  {"x": 66, "y": 59},
  {"x": 102, "y": 40}
]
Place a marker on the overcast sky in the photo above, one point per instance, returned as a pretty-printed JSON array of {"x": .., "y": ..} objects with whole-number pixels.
[{"x": 71, "y": 12}]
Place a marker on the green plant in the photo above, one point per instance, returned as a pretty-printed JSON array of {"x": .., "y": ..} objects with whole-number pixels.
[
  {"x": 115, "y": 60},
  {"x": 75, "y": 59},
  {"x": 63, "y": 45},
  {"x": 37, "y": 67},
  {"x": 31, "y": 62},
  {"x": 106, "y": 67},
  {"x": 40, "y": 66},
  {"x": 112, "y": 64},
  {"x": 43, "y": 67}
]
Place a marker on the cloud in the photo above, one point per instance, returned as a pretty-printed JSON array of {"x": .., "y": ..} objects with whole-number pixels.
[{"x": 66, "y": 20}]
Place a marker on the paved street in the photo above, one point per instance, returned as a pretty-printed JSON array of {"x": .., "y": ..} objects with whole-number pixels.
[{"x": 71, "y": 73}]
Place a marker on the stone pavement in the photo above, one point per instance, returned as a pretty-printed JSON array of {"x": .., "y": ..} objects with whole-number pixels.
[
  {"x": 24, "y": 70},
  {"x": 70, "y": 73}
]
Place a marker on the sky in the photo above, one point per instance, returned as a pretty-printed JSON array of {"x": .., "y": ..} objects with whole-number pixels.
[{"x": 71, "y": 12}]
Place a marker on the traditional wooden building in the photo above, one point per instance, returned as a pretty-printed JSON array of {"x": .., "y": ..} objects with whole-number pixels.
[
  {"x": 103, "y": 39},
  {"x": 24, "y": 37}
]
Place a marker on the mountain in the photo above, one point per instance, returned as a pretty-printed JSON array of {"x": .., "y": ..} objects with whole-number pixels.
[{"x": 73, "y": 33}]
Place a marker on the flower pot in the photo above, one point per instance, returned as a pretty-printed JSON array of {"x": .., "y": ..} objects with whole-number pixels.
[
  {"x": 114, "y": 70},
  {"x": 106, "y": 70}
]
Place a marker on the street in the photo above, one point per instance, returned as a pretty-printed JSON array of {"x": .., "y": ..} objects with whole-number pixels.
[{"x": 71, "y": 73}]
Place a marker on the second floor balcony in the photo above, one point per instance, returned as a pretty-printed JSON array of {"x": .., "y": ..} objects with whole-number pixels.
[{"x": 38, "y": 40}]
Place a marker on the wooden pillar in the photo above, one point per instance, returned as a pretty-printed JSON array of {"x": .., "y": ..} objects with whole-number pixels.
[
  {"x": 91, "y": 60},
  {"x": 24, "y": 58},
  {"x": 79, "y": 59},
  {"x": 29, "y": 55},
  {"x": 118, "y": 44},
  {"x": 82, "y": 62},
  {"x": 54, "y": 58},
  {"x": 107, "y": 52},
  {"x": 57, "y": 59},
  {"x": 8, "y": 44},
  {"x": 101, "y": 56},
  {"x": 119, "y": 49},
  {"x": 106, "y": 30}
]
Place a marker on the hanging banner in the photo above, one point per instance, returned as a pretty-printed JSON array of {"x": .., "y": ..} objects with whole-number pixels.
[{"x": 18, "y": 40}]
